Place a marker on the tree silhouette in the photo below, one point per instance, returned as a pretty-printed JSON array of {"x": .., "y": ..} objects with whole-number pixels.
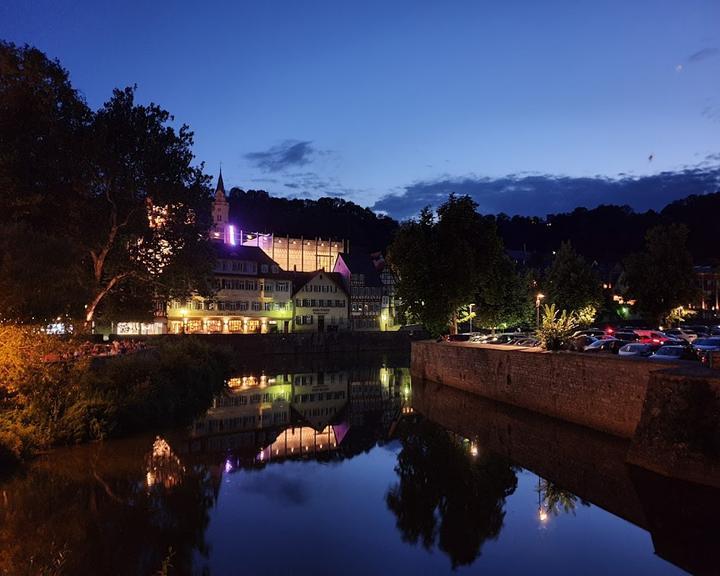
[{"x": 446, "y": 497}]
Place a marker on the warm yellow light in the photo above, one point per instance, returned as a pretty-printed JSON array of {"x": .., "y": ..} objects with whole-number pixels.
[{"x": 542, "y": 515}]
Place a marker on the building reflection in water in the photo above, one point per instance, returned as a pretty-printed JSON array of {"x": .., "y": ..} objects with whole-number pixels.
[
  {"x": 262, "y": 418},
  {"x": 163, "y": 466}
]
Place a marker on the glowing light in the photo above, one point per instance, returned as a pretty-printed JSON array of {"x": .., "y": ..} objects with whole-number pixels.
[
  {"x": 231, "y": 235},
  {"x": 228, "y": 466},
  {"x": 542, "y": 515}
]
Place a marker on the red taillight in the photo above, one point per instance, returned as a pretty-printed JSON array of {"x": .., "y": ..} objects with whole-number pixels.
[{"x": 656, "y": 341}]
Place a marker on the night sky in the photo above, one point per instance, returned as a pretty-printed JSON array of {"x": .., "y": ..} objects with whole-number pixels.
[{"x": 531, "y": 107}]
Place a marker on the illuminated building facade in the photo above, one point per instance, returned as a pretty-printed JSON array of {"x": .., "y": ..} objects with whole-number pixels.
[
  {"x": 320, "y": 303},
  {"x": 371, "y": 299},
  {"x": 252, "y": 296},
  {"x": 708, "y": 302},
  {"x": 297, "y": 254}
]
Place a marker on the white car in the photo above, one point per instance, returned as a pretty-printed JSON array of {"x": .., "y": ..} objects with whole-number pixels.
[{"x": 680, "y": 333}]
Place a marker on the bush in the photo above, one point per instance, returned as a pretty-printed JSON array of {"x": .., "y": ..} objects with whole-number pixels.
[
  {"x": 555, "y": 329},
  {"x": 91, "y": 399}
]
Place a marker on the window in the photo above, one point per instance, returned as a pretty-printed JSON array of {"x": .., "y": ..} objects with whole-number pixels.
[
  {"x": 256, "y": 306},
  {"x": 268, "y": 306},
  {"x": 313, "y": 303},
  {"x": 242, "y": 305},
  {"x": 298, "y": 302},
  {"x": 306, "y": 303},
  {"x": 264, "y": 268}
]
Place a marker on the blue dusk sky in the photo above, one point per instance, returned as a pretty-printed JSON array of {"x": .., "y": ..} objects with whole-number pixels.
[{"x": 528, "y": 106}]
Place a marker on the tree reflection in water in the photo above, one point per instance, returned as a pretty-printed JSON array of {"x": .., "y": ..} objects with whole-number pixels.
[
  {"x": 554, "y": 500},
  {"x": 446, "y": 496},
  {"x": 106, "y": 511}
]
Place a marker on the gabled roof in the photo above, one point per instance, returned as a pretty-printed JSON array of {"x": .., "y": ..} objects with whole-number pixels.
[
  {"x": 299, "y": 279},
  {"x": 359, "y": 263}
]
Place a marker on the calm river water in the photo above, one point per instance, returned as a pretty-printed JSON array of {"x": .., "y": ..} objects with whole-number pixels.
[{"x": 351, "y": 468}]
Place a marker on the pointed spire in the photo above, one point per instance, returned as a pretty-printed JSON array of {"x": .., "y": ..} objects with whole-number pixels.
[{"x": 220, "y": 190}]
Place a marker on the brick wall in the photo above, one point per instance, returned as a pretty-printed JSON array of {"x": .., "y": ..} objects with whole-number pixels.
[{"x": 602, "y": 392}]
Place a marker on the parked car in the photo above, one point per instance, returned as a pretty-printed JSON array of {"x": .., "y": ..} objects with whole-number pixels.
[
  {"x": 594, "y": 332},
  {"x": 611, "y": 345},
  {"x": 637, "y": 349},
  {"x": 681, "y": 333},
  {"x": 627, "y": 336},
  {"x": 651, "y": 336},
  {"x": 579, "y": 342},
  {"x": 671, "y": 353},
  {"x": 702, "y": 346}
]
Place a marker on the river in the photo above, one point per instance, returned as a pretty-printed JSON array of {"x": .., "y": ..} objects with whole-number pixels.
[{"x": 351, "y": 468}]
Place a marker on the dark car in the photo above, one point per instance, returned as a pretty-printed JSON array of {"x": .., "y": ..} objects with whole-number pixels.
[
  {"x": 580, "y": 342},
  {"x": 626, "y": 336},
  {"x": 611, "y": 345}
]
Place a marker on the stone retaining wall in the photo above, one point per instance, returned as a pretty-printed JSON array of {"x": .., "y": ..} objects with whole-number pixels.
[{"x": 602, "y": 392}]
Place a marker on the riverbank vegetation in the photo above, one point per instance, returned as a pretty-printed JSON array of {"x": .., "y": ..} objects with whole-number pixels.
[{"x": 46, "y": 400}]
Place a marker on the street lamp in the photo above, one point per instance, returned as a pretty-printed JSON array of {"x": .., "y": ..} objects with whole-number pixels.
[
  {"x": 537, "y": 307},
  {"x": 471, "y": 306}
]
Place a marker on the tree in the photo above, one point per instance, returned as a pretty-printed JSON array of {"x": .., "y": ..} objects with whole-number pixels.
[
  {"x": 661, "y": 277},
  {"x": 571, "y": 283},
  {"x": 442, "y": 262},
  {"x": 43, "y": 130},
  {"x": 98, "y": 208},
  {"x": 150, "y": 205},
  {"x": 504, "y": 298}
]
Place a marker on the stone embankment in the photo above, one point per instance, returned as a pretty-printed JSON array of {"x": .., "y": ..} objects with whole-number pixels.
[{"x": 669, "y": 412}]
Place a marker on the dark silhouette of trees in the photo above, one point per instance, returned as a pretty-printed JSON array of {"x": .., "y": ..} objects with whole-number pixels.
[
  {"x": 95, "y": 205},
  {"x": 442, "y": 263},
  {"x": 257, "y": 211},
  {"x": 661, "y": 277},
  {"x": 571, "y": 283}
]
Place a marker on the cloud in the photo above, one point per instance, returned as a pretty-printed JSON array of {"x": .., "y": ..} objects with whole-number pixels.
[
  {"x": 287, "y": 154},
  {"x": 278, "y": 488},
  {"x": 312, "y": 185},
  {"x": 703, "y": 54},
  {"x": 541, "y": 194}
]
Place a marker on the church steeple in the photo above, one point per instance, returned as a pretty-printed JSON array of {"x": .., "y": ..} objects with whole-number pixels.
[
  {"x": 220, "y": 212},
  {"x": 220, "y": 190}
]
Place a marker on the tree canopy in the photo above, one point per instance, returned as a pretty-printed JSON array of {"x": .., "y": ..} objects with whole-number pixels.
[
  {"x": 443, "y": 262},
  {"x": 661, "y": 277},
  {"x": 99, "y": 209},
  {"x": 571, "y": 283}
]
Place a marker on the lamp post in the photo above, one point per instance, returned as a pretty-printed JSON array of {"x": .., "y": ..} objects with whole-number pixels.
[
  {"x": 471, "y": 306},
  {"x": 537, "y": 307}
]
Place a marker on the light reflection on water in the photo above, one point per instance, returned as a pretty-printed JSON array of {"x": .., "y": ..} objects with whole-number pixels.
[{"x": 353, "y": 471}]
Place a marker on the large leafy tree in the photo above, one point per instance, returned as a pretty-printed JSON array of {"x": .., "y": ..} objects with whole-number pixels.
[
  {"x": 661, "y": 277},
  {"x": 504, "y": 299},
  {"x": 442, "y": 261},
  {"x": 98, "y": 209},
  {"x": 149, "y": 204},
  {"x": 571, "y": 283},
  {"x": 43, "y": 134}
]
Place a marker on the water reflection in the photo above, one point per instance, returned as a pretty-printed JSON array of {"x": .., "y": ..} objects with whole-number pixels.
[
  {"x": 448, "y": 495},
  {"x": 406, "y": 470},
  {"x": 267, "y": 418}
]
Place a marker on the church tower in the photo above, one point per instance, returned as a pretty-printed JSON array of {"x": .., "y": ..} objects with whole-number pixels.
[{"x": 220, "y": 212}]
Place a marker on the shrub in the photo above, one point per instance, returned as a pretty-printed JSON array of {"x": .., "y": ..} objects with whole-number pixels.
[{"x": 555, "y": 327}]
